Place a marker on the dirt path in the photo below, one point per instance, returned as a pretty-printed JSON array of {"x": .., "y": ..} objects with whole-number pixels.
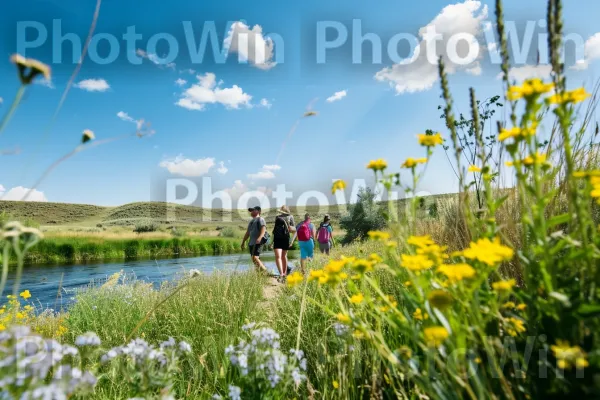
[{"x": 270, "y": 292}]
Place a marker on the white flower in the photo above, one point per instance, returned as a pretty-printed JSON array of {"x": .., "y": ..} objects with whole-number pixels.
[
  {"x": 235, "y": 392},
  {"x": 88, "y": 339}
]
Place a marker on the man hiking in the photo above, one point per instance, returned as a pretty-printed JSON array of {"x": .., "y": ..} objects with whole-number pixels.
[
  {"x": 284, "y": 226},
  {"x": 257, "y": 228},
  {"x": 325, "y": 235},
  {"x": 305, "y": 232}
]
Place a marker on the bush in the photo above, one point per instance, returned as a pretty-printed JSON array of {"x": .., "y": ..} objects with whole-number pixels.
[
  {"x": 145, "y": 226},
  {"x": 364, "y": 216},
  {"x": 228, "y": 232},
  {"x": 178, "y": 232}
]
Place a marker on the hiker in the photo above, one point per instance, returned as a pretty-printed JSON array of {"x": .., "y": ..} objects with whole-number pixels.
[
  {"x": 257, "y": 229},
  {"x": 325, "y": 235},
  {"x": 305, "y": 232},
  {"x": 284, "y": 226}
]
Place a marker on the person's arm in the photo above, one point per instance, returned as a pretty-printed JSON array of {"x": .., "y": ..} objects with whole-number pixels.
[
  {"x": 292, "y": 225},
  {"x": 314, "y": 232},
  {"x": 246, "y": 236},
  {"x": 263, "y": 229}
]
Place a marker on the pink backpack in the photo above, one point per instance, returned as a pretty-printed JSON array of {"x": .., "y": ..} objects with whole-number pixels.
[
  {"x": 324, "y": 236},
  {"x": 304, "y": 232}
]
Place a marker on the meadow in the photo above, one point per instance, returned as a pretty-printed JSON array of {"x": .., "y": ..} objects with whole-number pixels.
[{"x": 491, "y": 293}]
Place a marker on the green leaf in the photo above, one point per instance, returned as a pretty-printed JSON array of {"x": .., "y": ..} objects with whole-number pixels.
[
  {"x": 558, "y": 220},
  {"x": 589, "y": 310}
]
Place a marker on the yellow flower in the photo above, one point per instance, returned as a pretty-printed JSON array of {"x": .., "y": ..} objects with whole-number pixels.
[
  {"x": 405, "y": 352},
  {"x": 474, "y": 168},
  {"x": 357, "y": 298},
  {"x": 572, "y": 97},
  {"x": 11, "y": 297},
  {"x": 338, "y": 185},
  {"x": 420, "y": 241},
  {"x": 30, "y": 68},
  {"x": 416, "y": 263},
  {"x": 488, "y": 252},
  {"x": 413, "y": 162},
  {"x": 386, "y": 308},
  {"x": 408, "y": 283},
  {"x": 420, "y": 315},
  {"x": 521, "y": 307},
  {"x": 335, "y": 384},
  {"x": 362, "y": 266},
  {"x": 20, "y": 315},
  {"x": 358, "y": 334},
  {"x": 457, "y": 272},
  {"x": 28, "y": 308},
  {"x": 440, "y": 299},
  {"x": 377, "y": 165},
  {"x": 25, "y": 294},
  {"x": 435, "y": 335},
  {"x": 343, "y": 318},
  {"x": 315, "y": 274},
  {"x": 391, "y": 245},
  {"x": 375, "y": 258},
  {"x": 430, "y": 140},
  {"x": 2, "y": 327},
  {"x": 504, "y": 286},
  {"x": 515, "y": 326},
  {"x": 517, "y": 133},
  {"x": 378, "y": 235},
  {"x": 294, "y": 279},
  {"x": 568, "y": 356},
  {"x": 87, "y": 136},
  {"x": 531, "y": 89},
  {"x": 435, "y": 253},
  {"x": 509, "y": 305}
]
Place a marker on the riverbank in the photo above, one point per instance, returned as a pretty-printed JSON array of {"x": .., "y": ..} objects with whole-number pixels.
[{"x": 81, "y": 249}]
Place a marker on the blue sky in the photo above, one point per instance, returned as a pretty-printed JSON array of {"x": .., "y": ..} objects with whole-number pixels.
[{"x": 229, "y": 121}]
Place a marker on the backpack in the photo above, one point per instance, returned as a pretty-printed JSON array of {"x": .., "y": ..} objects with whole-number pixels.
[
  {"x": 266, "y": 237},
  {"x": 324, "y": 236},
  {"x": 281, "y": 229},
  {"x": 304, "y": 233}
]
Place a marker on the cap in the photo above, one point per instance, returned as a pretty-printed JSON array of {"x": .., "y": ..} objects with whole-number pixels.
[{"x": 257, "y": 208}]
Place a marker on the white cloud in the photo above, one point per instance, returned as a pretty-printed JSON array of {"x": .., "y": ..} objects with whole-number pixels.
[
  {"x": 419, "y": 74},
  {"x": 238, "y": 189},
  {"x": 337, "y": 96},
  {"x": 266, "y": 172},
  {"x": 250, "y": 45},
  {"x": 93, "y": 85},
  {"x": 207, "y": 91},
  {"x": 222, "y": 168},
  {"x": 45, "y": 82},
  {"x": 127, "y": 118},
  {"x": 19, "y": 192},
  {"x": 154, "y": 59},
  {"x": 187, "y": 167},
  {"x": 180, "y": 82},
  {"x": 475, "y": 70},
  {"x": 592, "y": 52},
  {"x": 265, "y": 103},
  {"x": 519, "y": 74}
]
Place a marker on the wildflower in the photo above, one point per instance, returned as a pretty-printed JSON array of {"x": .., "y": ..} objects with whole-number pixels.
[
  {"x": 517, "y": 133},
  {"x": 30, "y": 68},
  {"x": 28, "y": 308},
  {"x": 386, "y": 308},
  {"x": 405, "y": 352},
  {"x": 358, "y": 334},
  {"x": 362, "y": 266},
  {"x": 416, "y": 263},
  {"x": 521, "y": 307},
  {"x": 88, "y": 339},
  {"x": 509, "y": 304},
  {"x": 87, "y": 136},
  {"x": 440, "y": 299},
  {"x": 338, "y": 185},
  {"x": 335, "y": 384},
  {"x": 185, "y": 347},
  {"x": 391, "y": 245},
  {"x": 420, "y": 241},
  {"x": 25, "y": 294},
  {"x": 408, "y": 283},
  {"x": 531, "y": 89},
  {"x": 413, "y": 162},
  {"x": 20, "y": 315},
  {"x": 504, "y": 286},
  {"x": 378, "y": 235},
  {"x": 343, "y": 318},
  {"x": 357, "y": 298},
  {"x": 474, "y": 168},
  {"x": 294, "y": 279},
  {"x": 420, "y": 315},
  {"x": 488, "y": 252},
  {"x": 568, "y": 356},
  {"x": 375, "y": 258},
  {"x": 430, "y": 140},
  {"x": 340, "y": 329},
  {"x": 515, "y": 326},
  {"x": 435, "y": 253},
  {"x": 572, "y": 97},
  {"x": 435, "y": 335},
  {"x": 315, "y": 274},
  {"x": 377, "y": 165},
  {"x": 457, "y": 272},
  {"x": 235, "y": 392}
]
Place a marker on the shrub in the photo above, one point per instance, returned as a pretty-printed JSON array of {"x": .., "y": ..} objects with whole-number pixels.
[
  {"x": 364, "y": 216},
  {"x": 145, "y": 226},
  {"x": 229, "y": 232}
]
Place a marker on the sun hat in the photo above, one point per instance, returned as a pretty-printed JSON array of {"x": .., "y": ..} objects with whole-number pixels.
[{"x": 284, "y": 210}]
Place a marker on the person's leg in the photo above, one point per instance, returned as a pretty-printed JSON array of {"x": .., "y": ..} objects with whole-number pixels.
[
  {"x": 284, "y": 262},
  {"x": 303, "y": 256},
  {"x": 327, "y": 248},
  {"x": 279, "y": 261},
  {"x": 255, "y": 253}
]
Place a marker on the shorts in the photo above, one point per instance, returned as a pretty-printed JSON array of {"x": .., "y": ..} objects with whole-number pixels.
[
  {"x": 325, "y": 246},
  {"x": 307, "y": 249},
  {"x": 255, "y": 249},
  {"x": 282, "y": 243}
]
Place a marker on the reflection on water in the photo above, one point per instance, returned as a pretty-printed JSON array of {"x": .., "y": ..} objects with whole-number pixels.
[{"x": 55, "y": 286}]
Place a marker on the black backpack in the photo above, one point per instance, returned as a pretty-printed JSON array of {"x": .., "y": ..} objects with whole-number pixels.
[{"x": 281, "y": 229}]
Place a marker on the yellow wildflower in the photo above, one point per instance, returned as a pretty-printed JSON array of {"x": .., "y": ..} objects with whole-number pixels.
[
  {"x": 517, "y": 133},
  {"x": 420, "y": 315},
  {"x": 25, "y": 294},
  {"x": 357, "y": 298},
  {"x": 386, "y": 308},
  {"x": 420, "y": 241},
  {"x": 378, "y": 235},
  {"x": 375, "y": 258},
  {"x": 504, "y": 286},
  {"x": 335, "y": 384},
  {"x": 488, "y": 252},
  {"x": 509, "y": 305},
  {"x": 362, "y": 266},
  {"x": 20, "y": 315},
  {"x": 87, "y": 136},
  {"x": 515, "y": 326},
  {"x": 358, "y": 334},
  {"x": 408, "y": 283},
  {"x": 440, "y": 299},
  {"x": 294, "y": 279},
  {"x": 413, "y": 162},
  {"x": 521, "y": 307},
  {"x": 30, "y": 68},
  {"x": 338, "y": 185},
  {"x": 572, "y": 97},
  {"x": 531, "y": 88},
  {"x": 430, "y": 140},
  {"x": 391, "y": 244},
  {"x": 435, "y": 253},
  {"x": 457, "y": 272},
  {"x": 2, "y": 327},
  {"x": 405, "y": 352},
  {"x": 377, "y": 165},
  {"x": 343, "y": 318},
  {"x": 474, "y": 168},
  {"x": 435, "y": 335},
  {"x": 568, "y": 356},
  {"x": 11, "y": 297},
  {"x": 28, "y": 308},
  {"x": 315, "y": 274},
  {"x": 416, "y": 263}
]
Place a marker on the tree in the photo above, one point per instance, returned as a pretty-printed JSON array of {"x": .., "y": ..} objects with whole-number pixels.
[{"x": 364, "y": 216}]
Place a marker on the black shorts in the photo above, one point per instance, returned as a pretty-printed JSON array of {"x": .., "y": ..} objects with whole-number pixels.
[
  {"x": 282, "y": 243},
  {"x": 255, "y": 249}
]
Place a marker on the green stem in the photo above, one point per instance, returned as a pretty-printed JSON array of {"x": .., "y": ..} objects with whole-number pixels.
[
  {"x": 302, "y": 308},
  {"x": 11, "y": 111}
]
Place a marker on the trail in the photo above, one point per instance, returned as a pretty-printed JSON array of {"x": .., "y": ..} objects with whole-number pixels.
[{"x": 271, "y": 290}]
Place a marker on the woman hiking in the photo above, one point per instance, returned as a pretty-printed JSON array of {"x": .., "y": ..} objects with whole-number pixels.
[
  {"x": 325, "y": 235},
  {"x": 305, "y": 232},
  {"x": 284, "y": 227}
]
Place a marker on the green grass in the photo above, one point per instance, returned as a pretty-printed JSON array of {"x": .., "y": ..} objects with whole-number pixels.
[{"x": 74, "y": 249}]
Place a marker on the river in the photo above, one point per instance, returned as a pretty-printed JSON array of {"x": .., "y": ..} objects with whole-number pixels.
[{"x": 44, "y": 281}]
